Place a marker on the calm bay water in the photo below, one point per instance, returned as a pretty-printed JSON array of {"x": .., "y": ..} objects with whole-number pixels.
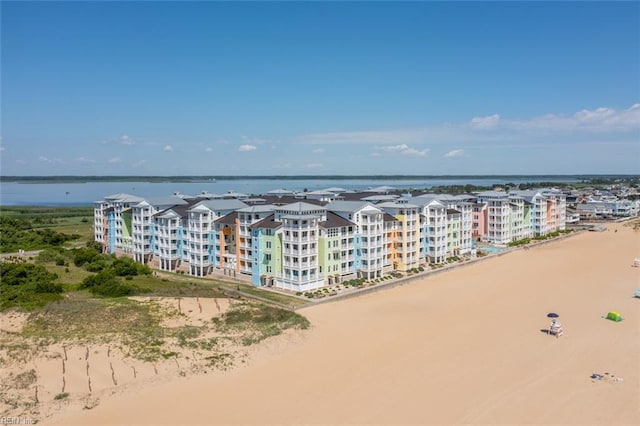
[{"x": 69, "y": 194}]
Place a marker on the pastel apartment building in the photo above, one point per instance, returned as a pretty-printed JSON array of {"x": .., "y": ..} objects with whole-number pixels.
[{"x": 300, "y": 244}]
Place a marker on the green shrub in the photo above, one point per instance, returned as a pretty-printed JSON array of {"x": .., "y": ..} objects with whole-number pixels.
[
  {"x": 85, "y": 255},
  {"x": 27, "y": 286},
  {"x": 114, "y": 290}
]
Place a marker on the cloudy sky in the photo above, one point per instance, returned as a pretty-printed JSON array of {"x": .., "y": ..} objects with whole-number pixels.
[{"x": 220, "y": 88}]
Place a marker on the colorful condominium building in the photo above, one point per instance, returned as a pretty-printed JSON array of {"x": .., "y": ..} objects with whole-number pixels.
[{"x": 299, "y": 244}]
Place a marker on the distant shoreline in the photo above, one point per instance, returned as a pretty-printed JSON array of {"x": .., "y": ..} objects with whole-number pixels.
[{"x": 175, "y": 179}]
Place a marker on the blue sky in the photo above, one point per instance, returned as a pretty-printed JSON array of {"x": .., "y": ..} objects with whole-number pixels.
[{"x": 221, "y": 88}]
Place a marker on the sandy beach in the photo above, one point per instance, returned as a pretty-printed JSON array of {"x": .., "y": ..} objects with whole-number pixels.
[{"x": 466, "y": 346}]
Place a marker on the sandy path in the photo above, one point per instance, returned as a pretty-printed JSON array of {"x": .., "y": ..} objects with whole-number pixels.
[{"x": 460, "y": 347}]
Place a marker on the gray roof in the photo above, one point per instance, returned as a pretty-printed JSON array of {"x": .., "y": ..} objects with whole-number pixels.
[
  {"x": 166, "y": 201},
  {"x": 232, "y": 194},
  {"x": 346, "y": 206},
  {"x": 493, "y": 194},
  {"x": 280, "y": 192},
  {"x": 267, "y": 223},
  {"x": 335, "y": 221},
  {"x": 319, "y": 192},
  {"x": 123, "y": 198},
  {"x": 383, "y": 188},
  {"x": 396, "y": 205},
  {"x": 301, "y": 207},
  {"x": 389, "y": 218},
  {"x": 229, "y": 219},
  {"x": 423, "y": 200},
  {"x": 222, "y": 204},
  {"x": 260, "y": 208},
  {"x": 380, "y": 197}
]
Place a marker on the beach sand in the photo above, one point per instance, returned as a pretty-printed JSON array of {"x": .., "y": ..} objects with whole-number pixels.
[{"x": 466, "y": 346}]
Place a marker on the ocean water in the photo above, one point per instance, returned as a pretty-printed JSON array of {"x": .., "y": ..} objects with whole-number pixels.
[{"x": 75, "y": 194}]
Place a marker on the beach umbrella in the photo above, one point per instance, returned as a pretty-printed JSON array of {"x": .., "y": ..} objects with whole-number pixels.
[{"x": 552, "y": 315}]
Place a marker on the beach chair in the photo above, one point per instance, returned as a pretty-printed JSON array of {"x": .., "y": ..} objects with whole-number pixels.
[{"x": 556, "y": 329}]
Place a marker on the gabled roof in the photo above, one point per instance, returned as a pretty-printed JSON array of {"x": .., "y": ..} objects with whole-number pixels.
[
  {"x": 335, "y": 221},
  {"x": 260, "y": 208},
  {"x": 493, "y": 194},
  {"x": 301, "y": 207},
  {"x": 380, "y": 197},
  {"x": 346, "y": 206},
  {"x": 169, "y": 213},
  {"x": 229, "y": 219},
  {"x": 123, "y": 198},
  {"x": 232, "y": 194},
  {"x": 218, "y": 205},
  {"x": 396, "y": 205},
  {"x": 383, "y": 188},
  {"x": 389, "y": 218},
  {"x": 179, "y": 209},
  {"x": 280, "y": 192},
  {"x": 319, "y": 192},
  {"x": 267, "y": 223},
  {"x": 166, "y": 201},
  {"x": 424, "y": 200}
]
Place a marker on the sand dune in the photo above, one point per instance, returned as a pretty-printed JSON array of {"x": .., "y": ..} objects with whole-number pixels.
[{"x": 466, "y": 346}]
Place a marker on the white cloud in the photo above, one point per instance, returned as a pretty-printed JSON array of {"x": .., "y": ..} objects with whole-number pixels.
[
  {"x": 167, "y": 148},
  {"x": 318, "y": 151},
  {"x": 114, "y": 160},
  {"x": 2, "y": 148},
  {"x": 44, "y": 159},
  {"x": 599, "y": 120},
  {"x": 313, "y": 165},
  {"x": 255, "y": 141},
  {"x": 488, "y": 122},
  {"x": 455, "y": 153},
  {"x": 405, "y": 149},
  {"x": 367, "y": 137},
  {"x": 139, "y": 163},
  {"x": 247, "y": 148},
  {"x": 376, "y": 154},
  {"x": 126, "y": 140},
  {"x": 208, "y": 149},
  {"x": 85, "y": 160},
  {"x": 21, "y": 162},
  {"x": 412, "y": 152},
  {"x": 395, "y": 148}
]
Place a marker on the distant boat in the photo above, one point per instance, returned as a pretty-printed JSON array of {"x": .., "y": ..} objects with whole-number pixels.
[{"x": 67, "y": 193}]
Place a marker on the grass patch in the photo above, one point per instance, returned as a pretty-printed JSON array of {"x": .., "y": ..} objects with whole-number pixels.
[
  {"x": 60, "y": 396},
  {"x": 222, "y": 360},
  {"x": 25, "y": 379},
  {"x": 273, "y": 296},
  {"x": 255, "y": 322},
  {"x": 81, "y": 317}
]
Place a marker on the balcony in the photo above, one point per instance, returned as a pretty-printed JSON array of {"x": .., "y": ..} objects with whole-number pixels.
[
  {"x": 299, "y": 265},
  {"x": 292, "y": 252}
]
